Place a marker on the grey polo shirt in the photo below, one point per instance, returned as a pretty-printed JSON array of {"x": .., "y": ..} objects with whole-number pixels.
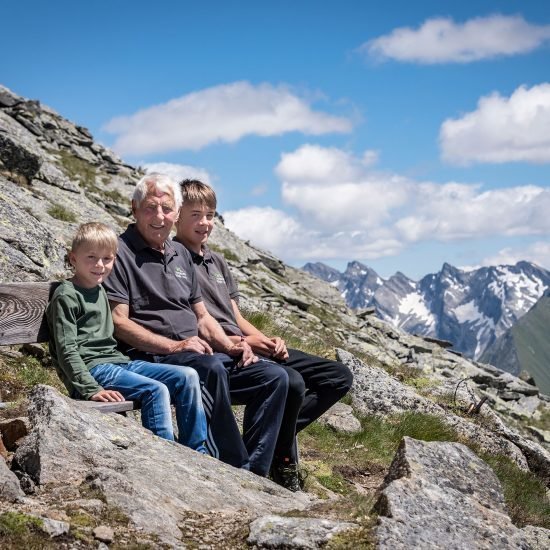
[
  {"x": 159, "y": 288},
  {"x": 217, "y": 287}
]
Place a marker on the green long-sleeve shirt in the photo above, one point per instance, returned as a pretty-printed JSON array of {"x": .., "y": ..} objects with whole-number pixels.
[{"x": 81, "y": 336}]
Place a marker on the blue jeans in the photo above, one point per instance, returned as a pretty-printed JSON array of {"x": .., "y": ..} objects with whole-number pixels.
[{"x": 155, "y": 386}]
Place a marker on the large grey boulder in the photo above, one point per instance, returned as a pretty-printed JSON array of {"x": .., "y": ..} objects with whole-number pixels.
[
  {"x": 152, "y": 480},
  {"x": 441, "y": 495}
]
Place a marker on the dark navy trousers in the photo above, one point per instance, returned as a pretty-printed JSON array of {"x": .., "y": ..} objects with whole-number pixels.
[
  {"x": 262, "y": 387},
  {"x": 315, "y": 384}
]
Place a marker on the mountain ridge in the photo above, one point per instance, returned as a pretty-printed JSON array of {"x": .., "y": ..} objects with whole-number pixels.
[{"x": 470, "y": 308}]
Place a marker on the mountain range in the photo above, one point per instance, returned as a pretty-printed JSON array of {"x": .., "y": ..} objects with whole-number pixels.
[{"x": 469, "y": 308}]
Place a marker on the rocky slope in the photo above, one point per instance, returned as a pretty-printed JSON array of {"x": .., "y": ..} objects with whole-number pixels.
[
  {"x": 91, "y": 479},
  {"x": 471, "y": 309}
]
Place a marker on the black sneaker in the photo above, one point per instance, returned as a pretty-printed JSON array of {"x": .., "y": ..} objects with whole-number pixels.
[{"x": 287, "y": 475}]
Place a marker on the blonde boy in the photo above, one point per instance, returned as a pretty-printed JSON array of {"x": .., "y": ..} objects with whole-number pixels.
[{"x": 84, "y": 350}]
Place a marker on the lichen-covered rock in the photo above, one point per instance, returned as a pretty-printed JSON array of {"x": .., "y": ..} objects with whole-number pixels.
[
  {"x": 441, "y": 495},
  {"x": 152, "y": 480},
  {"x": 294, "y": 533}
]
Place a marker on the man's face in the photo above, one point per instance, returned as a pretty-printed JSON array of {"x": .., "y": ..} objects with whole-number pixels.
[
  {"x": 194, "y": 225},
  {"x": 155, "y": 217}
]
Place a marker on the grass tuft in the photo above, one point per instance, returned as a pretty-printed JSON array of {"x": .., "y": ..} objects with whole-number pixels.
[
  {"x": 61, "y": 213},
  {"x": 525, "y": 494},
  {"x": 19, "y": 375}
]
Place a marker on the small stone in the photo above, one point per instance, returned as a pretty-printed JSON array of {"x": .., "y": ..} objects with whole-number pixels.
[
  {"x": 53, "y": 527},
  {"x": 341, "y": 419},
  {"x": 9, "y": 484},
  {"x": 288, "y": 532},
  {"x": 104, "y": 533}
]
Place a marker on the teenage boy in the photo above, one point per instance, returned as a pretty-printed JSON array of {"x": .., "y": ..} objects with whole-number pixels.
[
  {"x": 159, "y": 316},
  {"x": 315, "y": 384},
  {"x": 84, "y": 350}
]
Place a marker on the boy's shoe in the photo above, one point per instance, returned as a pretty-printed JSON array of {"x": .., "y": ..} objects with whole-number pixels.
[{"x": 287, "y": 475}]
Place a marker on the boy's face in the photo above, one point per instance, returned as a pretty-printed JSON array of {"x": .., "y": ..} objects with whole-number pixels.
[
  {"x": 91, "y": 264},
  {"x": 194, "y": 225}
]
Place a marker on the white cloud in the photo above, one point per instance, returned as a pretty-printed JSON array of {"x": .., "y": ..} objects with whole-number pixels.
[
  {"x": 501, "y": 129},
  {"x": 224, "y": 113},
  {"x": 289, "y": 238},
  {"x": 178, "y": 172},
  {"x": 367, "y": 215},
  {"x": 459, "y": 211},
  {"x": 441, "y": 40},
  {"x": 538, "y": 253},
  {"x": 323, "y": 164}
]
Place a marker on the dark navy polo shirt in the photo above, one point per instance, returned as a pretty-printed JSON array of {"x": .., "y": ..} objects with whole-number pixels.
[
  {"x": 159, "y": 288},
  {"x": 217, "y": 287}
]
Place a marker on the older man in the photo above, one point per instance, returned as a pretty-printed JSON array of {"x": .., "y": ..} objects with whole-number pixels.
[{"x": 159, "y": 315}]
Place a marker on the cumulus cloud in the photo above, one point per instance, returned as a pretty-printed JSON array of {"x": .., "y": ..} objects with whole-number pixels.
[
  {"x": 441, "y": 40},
  {"x": 537, "y": 252},
  {"x": 459, "y": 211},
  {"x": 178, "y": 172},
  {"x": 291, "y": 238},
  {"x": 224, "y": 113},
  {"x": 501, "y": 129},
  {"x": 340, "y": 208}
]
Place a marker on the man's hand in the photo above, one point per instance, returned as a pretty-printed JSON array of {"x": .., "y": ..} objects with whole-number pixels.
[
  {"x": 193, "y": 344},
  {"x": 107, "y": 395},
  {"x": 242, "y": 348}
]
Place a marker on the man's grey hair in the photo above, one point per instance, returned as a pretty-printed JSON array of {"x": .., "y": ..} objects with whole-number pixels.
[{"x": 161, "y": 182}]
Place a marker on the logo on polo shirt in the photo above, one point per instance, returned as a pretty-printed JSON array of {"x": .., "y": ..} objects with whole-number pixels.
[
  {"x": 180, "y": 273},
  {"x": 218, "y": 277}
]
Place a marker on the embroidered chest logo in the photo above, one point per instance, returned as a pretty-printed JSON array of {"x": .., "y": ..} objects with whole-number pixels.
[
  {"x": 180, "y": 273},
  {"x": 218, "y": 277}
]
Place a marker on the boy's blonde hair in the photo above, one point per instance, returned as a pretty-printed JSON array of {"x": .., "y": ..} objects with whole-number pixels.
[
  {"x": 196, "y": 192},
  {"x": 97, "y": 234}
]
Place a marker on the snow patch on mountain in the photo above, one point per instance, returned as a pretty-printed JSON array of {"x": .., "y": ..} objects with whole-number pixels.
[{"x": 469, "y": 307}]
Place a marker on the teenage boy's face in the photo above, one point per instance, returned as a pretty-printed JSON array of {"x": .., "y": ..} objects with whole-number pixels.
[
  {"x": 194, "y": 225},
  {"x": 155, "y": 217},
  {"x": 91, "y": 265}
]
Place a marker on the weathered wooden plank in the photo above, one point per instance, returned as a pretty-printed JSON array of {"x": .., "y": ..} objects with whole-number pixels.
[
  {"x": 111, "y": 406},
  {"x": 22, "y": 307}
]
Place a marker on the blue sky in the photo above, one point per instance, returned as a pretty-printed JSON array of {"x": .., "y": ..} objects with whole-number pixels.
[{"x": 403, "y": 134}]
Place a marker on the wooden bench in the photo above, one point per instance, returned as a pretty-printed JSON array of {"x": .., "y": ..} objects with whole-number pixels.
[{"x": 22, "y": 321}]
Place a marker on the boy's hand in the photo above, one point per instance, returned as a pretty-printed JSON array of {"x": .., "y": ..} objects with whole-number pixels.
[
  {"x": 280, "y": 351},
  {"x": 261, "y": 345},
  {"x": 107, "y": 395},
  {"x": 193, "y": 344}
]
